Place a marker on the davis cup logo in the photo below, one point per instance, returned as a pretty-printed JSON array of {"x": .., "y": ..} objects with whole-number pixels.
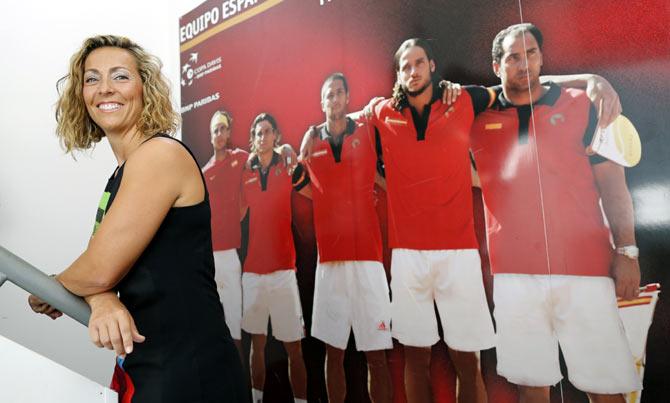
[
  {"x": 187, "y": 73},
  {"x": 192, "y": 71}
]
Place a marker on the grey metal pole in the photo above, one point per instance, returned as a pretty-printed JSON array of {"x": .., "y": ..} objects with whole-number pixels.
[{"x": 26, "y": 276}]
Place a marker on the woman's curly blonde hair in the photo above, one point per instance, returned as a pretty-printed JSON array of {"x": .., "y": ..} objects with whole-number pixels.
[{"x": 76, "y": 129}]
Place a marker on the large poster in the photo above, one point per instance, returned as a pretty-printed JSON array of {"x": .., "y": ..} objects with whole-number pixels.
[{"x": 253, "y": 56}]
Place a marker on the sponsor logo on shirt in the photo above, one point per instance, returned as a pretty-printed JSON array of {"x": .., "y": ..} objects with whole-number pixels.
[
  {"x": 399, "y": 122},
  {"x": 355, "y": 143},
  {"x": 556, "y": 118},
  {"x": 233, "y": 164},
  {"x": 211, "y": 177},
  {"x": 382, "y": 326},
  {"x": 493, "y": 126}
]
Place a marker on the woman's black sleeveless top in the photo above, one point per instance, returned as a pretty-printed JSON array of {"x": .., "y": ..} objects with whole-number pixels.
[{"x": 188, "y": 355}]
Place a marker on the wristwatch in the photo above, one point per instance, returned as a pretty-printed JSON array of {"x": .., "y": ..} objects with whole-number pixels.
[{"x": 630, "y": 251}]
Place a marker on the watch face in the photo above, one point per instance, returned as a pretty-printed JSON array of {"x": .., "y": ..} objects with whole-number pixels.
[{"x": 629, "y": 251}]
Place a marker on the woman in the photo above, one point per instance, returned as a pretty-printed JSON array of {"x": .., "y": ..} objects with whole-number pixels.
[{"x": 152, "y": 238}]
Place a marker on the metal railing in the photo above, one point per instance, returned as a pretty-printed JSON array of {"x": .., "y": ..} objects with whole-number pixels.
[{"x": 48, "y": 289}]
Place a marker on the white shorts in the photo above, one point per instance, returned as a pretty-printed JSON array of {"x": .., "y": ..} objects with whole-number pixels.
[
  {"x": 275, "y": 297},
  {"x": 536, "y": 313},
  {"x": 453, "y": 280},
  {"x": 228, "y": 279},
  {"x": 352, "y": 295}
]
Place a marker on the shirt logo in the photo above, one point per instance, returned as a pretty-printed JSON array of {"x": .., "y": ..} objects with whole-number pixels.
[
  {"x": 556, "y": 118},
  {"x": 399, "y": 122},
  {"x": 320, "y": 153},
  {"x": 211, "y": 177},
  {"x": 277, "y": 171},
  {"x": 382, "y": 326},
  {"x": 493, "y": 126},
  {"x": 251, "y": 180},
  {"x": 233, "y": 164},
  {"x": 355, "y": 143}
]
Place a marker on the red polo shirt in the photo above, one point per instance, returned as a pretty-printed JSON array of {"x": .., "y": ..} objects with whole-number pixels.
[
  {"x": 270, "y": 236},
  {"x": 223, "y": 180},
  {"x": 427, "y": 169},
  {"x": 342, "y": 177},
  {"x": 541, "y": 201}
]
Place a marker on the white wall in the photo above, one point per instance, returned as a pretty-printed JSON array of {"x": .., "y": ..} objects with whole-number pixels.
[{"x": 47, "y": 200}]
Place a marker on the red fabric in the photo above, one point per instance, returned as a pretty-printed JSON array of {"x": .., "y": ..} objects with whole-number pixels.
[
  {"x": 345, "y": 220},
  {"x": 223, "y": 180},
  {"x": 428, "y": 182},
  {"x": 515, "y": 196},
  {"x": 122, "y": 384},
  {"x": 271, "y": 245}
]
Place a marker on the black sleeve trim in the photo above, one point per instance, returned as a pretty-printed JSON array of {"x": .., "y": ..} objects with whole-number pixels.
[
  {"x": 482, "y": 98},
  {"x": 300, "y": 178},
  {"x": 590, "y": 131},
  {"x": 380, "y": 159}
]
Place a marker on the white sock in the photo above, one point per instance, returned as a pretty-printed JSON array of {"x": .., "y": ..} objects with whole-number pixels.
[
  {"x": 256, "y": 395},
  {"x": 299, "y": 400}
]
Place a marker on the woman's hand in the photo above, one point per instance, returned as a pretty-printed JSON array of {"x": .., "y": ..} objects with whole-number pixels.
[
  {"x": 39, "y": 306},
  {"x": 111, "y": 325}
]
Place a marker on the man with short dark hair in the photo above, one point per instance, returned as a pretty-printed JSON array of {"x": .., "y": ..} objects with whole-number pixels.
[
  {"x": 549, "y": 247},
  {"x": 351, "y": 290}
]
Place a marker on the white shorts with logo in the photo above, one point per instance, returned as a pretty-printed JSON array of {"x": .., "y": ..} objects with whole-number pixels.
[
  {"x": 536, "y": 313},
  {"x": 272, "y": 296},
  {"x": 352, "y": 295},
  {"x": 228, "y": 279},
  {"x": 452, "y": 279}
]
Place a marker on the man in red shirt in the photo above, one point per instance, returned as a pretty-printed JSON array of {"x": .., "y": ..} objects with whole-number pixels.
[
  {"x": 351, "y": 290},
  {"x": 549, "y": 247},
  {"x": 223, "y": 175},
  {"x": 435, "y": 257},
  {"x": 269, "y": 285}
]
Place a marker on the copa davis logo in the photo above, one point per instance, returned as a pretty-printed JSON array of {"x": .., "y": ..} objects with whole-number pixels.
[{"x": 192, "y": 71}]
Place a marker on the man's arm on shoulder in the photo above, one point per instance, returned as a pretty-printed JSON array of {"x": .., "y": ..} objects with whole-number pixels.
[
  {"x": 482, "y": 97},
  {"x": 618, "y": 206}
]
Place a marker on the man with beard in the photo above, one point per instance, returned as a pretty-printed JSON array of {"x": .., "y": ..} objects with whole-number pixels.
[
  {"x": 351, "y": 290},
  {"x": 549, "y": 247},
  {"x": 435, "y": 258}
]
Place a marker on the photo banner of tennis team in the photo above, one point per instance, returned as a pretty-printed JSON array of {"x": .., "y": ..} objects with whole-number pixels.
[{"x": 252, "y": 56}]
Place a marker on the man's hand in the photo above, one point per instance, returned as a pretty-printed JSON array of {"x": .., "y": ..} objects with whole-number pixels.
[
  {"x": 247, "y": 165},
  {"x": 307, "y": 143},
  {"x": 289, "y": 157},
  {"x": 111, "y": 325},
  {"x": 626, "y": 274},
  {"x": 450, "y": 91},
  {"x": 39, "y": 306},
  {"x": 368, "y": 110},
  {"x": 605, "y": 98}
]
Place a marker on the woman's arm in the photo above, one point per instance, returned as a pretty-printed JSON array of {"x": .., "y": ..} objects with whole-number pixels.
[{"x": 158, "y": 175}]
